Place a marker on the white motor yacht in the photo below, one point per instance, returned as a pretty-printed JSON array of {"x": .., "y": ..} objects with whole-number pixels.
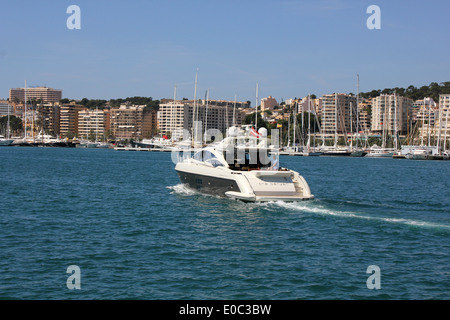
[
  {"x": 380, "y": 152},
  {"x": 5, "y": 142},
  {"x": 242, "y": 167}
]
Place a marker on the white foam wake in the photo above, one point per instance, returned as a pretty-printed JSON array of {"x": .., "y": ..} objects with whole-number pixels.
[
  {"x": 182, "y": 189},
  {"x": 313, "y": 207}
]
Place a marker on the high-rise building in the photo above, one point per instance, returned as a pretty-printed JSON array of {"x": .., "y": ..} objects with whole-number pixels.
[
  {"x": 48, "y": 115},
  {"x": 93, "y": 123},
  {"x": 37, "y": 93},
  {"x": 6, "y": 108},
  {"x": 338, "y": 114},
  {"x": 389, "y": 113},
  {"x": 365, "y": 116},
  {"x": 443, "y": 120},
  {"x": 68, "y": 119},
  {"x": 306, "y": 105},
  {"x": 171, "y": 118},
  {"x": 179, "y": 118},
  {"x": 126, "y": 121},
  {"x": 149, "y": 124}
]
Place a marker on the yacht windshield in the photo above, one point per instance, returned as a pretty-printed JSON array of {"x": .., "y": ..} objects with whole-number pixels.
[{"x": 207, "y": 157}]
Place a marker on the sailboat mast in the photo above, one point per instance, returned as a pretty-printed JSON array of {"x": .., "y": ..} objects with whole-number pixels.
[
  {"x": 96, "y": 124},
  {"x": 439, "y": 133},
  {"x": 383, "y": 136},
  {"x": 335, "y": 120},
  {"x": 295, "y": 122},
  {"x": 309, "y": 122},
  {"x": 445, "y": 133},
  {"x": 25, "y": 109},
  {"x": 395, "y": 122},
  {"x": 256, "y": 106},
  {"x": 423, "y": 124},
  {"x": 8, "y": 126},
  {"x": 206, "y": 113},
  {"x": 303, "y": 128},
  {"x": 428, "y": 127},
  {"x": 289, "y": 131},
  {"x": 172, "y": 120},
  {"x": 234, "y": 111},
  {"x": 357, "y": 109},
  {"x": 194, "y": 111},
  {"x": 32, "y": 122},
  {"x": 351, "y": 125}
]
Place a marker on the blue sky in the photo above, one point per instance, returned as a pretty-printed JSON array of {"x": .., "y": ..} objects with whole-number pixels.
[{"x": 290, "y": 48}]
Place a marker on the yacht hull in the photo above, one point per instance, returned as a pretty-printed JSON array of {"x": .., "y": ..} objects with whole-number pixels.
[
  {"x": 249, "y": 186},
  {"x": 380, "y": 155},
  {"x": 5, "y": 143},
  {"x": 336, "y": 154},
  {"x": 208, "y": 184}
]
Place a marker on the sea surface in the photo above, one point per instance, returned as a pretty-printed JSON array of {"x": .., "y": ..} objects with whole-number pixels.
[{"x": 136, "y": 233}]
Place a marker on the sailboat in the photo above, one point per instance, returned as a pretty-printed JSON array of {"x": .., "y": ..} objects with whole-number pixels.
[
  {"x": 356, "y": 152},
  {"x": 292, "y": 150},
  {"x": 445, "y": 152},
  {"x": 425, "y": 151},
  {"x": 7, "y": 141},
  {"x": 335, "y": 150},
  {"x": 383, "y": 152},
  {"x": 307, "y": 151}
]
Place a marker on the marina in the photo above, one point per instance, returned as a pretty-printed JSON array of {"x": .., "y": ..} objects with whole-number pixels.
[{"x": 204, "y": 155}]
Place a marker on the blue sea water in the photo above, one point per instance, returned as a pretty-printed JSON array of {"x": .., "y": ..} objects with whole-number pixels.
[{"x": 136, "y": 233}]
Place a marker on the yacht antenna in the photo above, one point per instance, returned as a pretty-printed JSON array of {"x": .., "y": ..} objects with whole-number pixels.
[{"x": 194, "y": 112}]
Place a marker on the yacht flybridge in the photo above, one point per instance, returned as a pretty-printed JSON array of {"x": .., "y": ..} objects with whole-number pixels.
[{"x": 244, "y": 167}]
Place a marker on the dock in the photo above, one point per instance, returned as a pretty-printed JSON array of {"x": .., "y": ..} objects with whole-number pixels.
[{"x": 142, "y": 149}]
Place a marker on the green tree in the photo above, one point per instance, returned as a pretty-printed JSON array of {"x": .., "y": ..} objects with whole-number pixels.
[
  {"x": 15, "y": 124},
  {"x": 250, "y": 119}
]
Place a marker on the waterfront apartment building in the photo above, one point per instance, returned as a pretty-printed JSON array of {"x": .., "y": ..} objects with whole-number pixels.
[
  {"x": 68, "y": 119},
  {"x": 338, "y": 114},
  {"x": 93, "y": 124},
  {"x": 35, "y": 93},
  {"x": 389, "y": 113},
  {"x": 149, "y": 123},
  {"x": 307, "y": 104},
  {"x": 421, "y": 107},
  {"x": 126, "y": 121},
  {"x": 227, "y": 103},
  {"x": 174, "y": 118},
  {"x": 443, "y": 121},
  {"x": 365, "y": 116},
  {"x": 6, "y": 108},
  {"x": 171, "y": 118},
  {"x": 48, "y": 115}
]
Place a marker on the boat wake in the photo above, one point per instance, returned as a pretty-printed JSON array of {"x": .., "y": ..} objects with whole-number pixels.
[
  {"x": 182, "y": 189},
  {"x": 315, "y": 208}
]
